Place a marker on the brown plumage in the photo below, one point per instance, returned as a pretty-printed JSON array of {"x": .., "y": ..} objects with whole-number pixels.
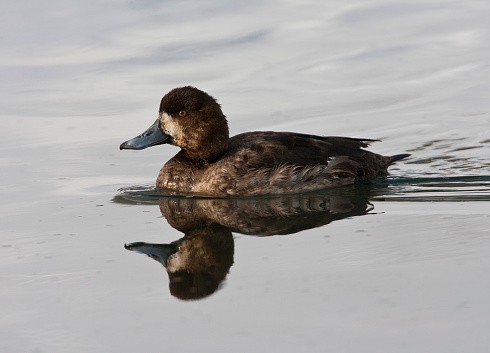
[{"x": 252, "y": 163}]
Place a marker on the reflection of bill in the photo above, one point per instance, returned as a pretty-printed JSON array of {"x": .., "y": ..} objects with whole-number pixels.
[{"x": 198, "y": 263}]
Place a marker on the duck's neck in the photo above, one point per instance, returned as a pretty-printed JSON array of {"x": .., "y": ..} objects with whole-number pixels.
[{"x": 208, "y": 147}]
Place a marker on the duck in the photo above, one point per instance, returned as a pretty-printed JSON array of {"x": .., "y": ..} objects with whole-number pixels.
[{"x": 252, "y": 163}]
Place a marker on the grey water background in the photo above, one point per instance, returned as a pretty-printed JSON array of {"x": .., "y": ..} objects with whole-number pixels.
[{"x": 78, "y": 78}]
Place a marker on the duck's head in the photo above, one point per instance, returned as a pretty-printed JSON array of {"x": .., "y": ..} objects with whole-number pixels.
[{"x": 190, "y": 119}]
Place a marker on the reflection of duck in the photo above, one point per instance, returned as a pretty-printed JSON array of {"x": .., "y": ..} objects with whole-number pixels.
[
  {"x": 197, "y": 263},
  {"x": 252, "y": 163}
]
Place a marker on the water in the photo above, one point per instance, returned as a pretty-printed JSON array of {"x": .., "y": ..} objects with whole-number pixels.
[{"x": 397, "y": 266}]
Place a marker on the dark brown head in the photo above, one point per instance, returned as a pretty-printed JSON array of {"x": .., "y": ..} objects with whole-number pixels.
[{"x": 188, "y": 118}]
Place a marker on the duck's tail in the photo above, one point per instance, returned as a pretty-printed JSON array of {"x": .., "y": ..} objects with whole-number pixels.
[{"x": 397, "y": 157}]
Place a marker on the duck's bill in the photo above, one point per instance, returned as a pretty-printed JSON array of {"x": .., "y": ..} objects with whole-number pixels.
[
  {"x": 151, "y": 137},
  {"x": 158, "y": 252}
]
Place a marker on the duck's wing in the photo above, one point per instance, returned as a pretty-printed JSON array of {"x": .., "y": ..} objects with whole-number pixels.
[{"x": 273, "y": 148}]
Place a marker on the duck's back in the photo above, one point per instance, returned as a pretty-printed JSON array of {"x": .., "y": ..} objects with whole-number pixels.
[{"x": 268, "y": 148}]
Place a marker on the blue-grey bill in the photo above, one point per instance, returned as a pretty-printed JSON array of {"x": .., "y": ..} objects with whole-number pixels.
[{"x": 151, "y": 137}]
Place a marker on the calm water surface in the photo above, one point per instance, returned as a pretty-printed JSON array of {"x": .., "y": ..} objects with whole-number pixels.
[{"x": 396, "y": 266}]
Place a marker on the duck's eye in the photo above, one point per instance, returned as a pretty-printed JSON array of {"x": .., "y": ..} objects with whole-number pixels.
[{"x": 182, "y": 113}]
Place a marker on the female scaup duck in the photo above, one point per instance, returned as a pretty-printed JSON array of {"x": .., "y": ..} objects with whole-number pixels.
[{"x": 252, "y": 163}]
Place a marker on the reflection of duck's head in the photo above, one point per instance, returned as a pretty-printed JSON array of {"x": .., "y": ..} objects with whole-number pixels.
[
  {"x": 201, "y": 263},
  {"x": 197, "y": 263}
]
